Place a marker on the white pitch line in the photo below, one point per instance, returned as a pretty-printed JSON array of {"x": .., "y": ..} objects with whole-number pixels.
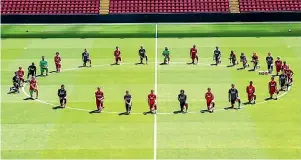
[{"x": 156, "y": 91}]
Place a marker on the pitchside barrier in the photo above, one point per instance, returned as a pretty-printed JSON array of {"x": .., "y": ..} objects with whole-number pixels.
[{"x": 155, "y": 18}]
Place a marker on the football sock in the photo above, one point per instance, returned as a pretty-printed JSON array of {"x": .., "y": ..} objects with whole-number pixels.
[{"x": 146, "y": 59}]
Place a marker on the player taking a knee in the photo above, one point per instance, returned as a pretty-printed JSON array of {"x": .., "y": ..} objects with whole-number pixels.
[
  {"x": 128, "y": 102},
  {"x": 142, "y": 55},
  {"x": 152, "y": 98},
  {"x": 210, "y": 100},
  {"x": 117, "y": 55},
  {"x": 232, "y": 58},
  {"x": 244, "y": 61},
  {"x": 182, "y": 98},
  {"x": 99, "y": 97},
  {"x": 62, "y": 94},
  {"x": 233, "y": 96},
  {"x": 194, "y": 55},
  {"x": 217, "y": 55},
  {"x": 273, "y": 88},
  {"x": 57, "y": 62},
  {"x": 255, "y": 60},
  {"x": 251, "y": 93},
  {"x": 33, "y": 87}
]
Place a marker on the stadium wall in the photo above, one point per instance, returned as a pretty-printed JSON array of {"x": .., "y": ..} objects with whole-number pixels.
[{"x": 154, "y": 18}]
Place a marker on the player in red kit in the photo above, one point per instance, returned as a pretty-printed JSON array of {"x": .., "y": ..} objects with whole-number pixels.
[
  {"x": 284, "y": 67},
  {"x": 278, "y": 64},
  {"x": 21, "y": 73},
  {"x": 193, "y": 55},
  {"x": 210, "y": 100},
  {"x": 33, "y": 87},
  {"x": 273, "y": 88},
  {"x": 289, "y": 74},
  {"x": 152, "y": 103},
  {"x": 117, "y": 55},
  {"x": 255, "y": 60},
  {"x": 99, "y": 97},
  {"x": 251, "y": 93},
  {"x": 57, "y": 61}
]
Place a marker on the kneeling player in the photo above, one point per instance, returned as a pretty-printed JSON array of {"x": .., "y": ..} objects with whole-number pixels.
[
  {"x": 20, "y": 73},
  {"x": 210, "y": 100},
  {"x": 251, "y": 93},
  {"x": 166, "y": 55},
  {"x": 32, "y": 71},
  {"x": 57, "y": 62},
  {"x": 33, "y": 87},
  {"x": 233, "y": 96},
  {"x": 278, "y": 64},
  {"x": 16, "y": 85},
  {"x": 99, "y": 97},
  {"x": 44, "y": 66},
  {"x": 142, "y": 55},
  {"x": 128, "y": 102},
  {"x": 194, "y": 55},
  {"x": 182, "y": 98},
  {"x": 244, "y": 61},
  {"x": 255, "y": 60},
  {"x": 62, "y": 94},
  {"x": 283, "y": 82},
  {"x": 86, "y": 58},
  {"x": 117, "y": 55},
  {"x": 217, "y": 56},
  {"x": 152, "y": 102},
  {"x": 273, "y": 88},
  {"x": 270, "y": 60},
  {"x": 289, "y": 74},
  {"x": 233, "y": 58}
]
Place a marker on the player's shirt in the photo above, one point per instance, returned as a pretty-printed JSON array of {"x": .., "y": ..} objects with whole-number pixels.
[
  {"x": 20, "y": 73},
  {"x": 285, "y": 67},
  {"x": 182, "y": 98},
  {"x": 193, "y": 51},
  {"x": 269, "y": 60},
  {"x": 44, "y": 63},
  {"x": 16, "y": 79},
  {"x": 282, "y": 78},
  {"x": 142, "y": 52},
  {"x": 243, "y": 58},
  {"x": 32, "y": 69},
  {"x": 33, "y": 84},
  {"x": 117, "y": 53},
  {"x": 278, "y": 63},
  {"x": 233, "y": 56},
  {"x": 62, "y": 93},
  {"x": 250, "y": 89},
  {"x": 233, "y": 92},
  {"x": 99, "y": 95},
  {"x": 85, "y": 55},
  {"x": 255, "y": 58},
  {"x": 166, "y": 53},
  {"x": 151, "y": 98},
  {"x": 127, "y": 98},
  {"x": 209, "y": 96},
  {"x": 217, "y": 53},
  {"x": 289, "y": 72},
  {"x": 272, "y": 84},
  {"x": 57, "y": 59}
]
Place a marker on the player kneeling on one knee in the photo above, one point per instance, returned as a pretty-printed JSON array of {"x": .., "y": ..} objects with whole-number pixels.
[
  {"x": 142, "y": 55},
  {"x": 128, "y": 102},
  {"x": 62, "y": 94},
  {"x": 99, "y": 96},
  {"x": 251, "y": 93},
  {"x": 273, "y": 88},
  {"x": 217, "y": 55},
  {"x": 152, "y": 98},
  {"x": 210, "y": 100},
  {"x": 233, "y": 96},
  {"x": 182, "y": 98}
]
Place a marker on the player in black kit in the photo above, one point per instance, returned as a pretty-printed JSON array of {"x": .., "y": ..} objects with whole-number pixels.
[
  {"x": 142, "y": 55},
  {"x": 62, "y": 93},
  {"x": 283, "y": 82},
  {"x": 182, "y": 97},
  {"x": 16, "y": 84},
  {"x": 233, "y": 96},
  {"x": 269, "y": 59},
  {"x": 128, "y": 102},
  {"x": 217, "y": 55},
  {"x": 32, "y": 71}
]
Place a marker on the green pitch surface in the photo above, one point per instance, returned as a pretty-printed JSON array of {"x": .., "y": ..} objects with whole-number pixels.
[{"x": 32, "y": 129}]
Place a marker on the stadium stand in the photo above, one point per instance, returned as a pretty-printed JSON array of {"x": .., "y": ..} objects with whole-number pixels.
[
  {"x": 269, "y": 5},
  {"x": 168, "y": 6},
  {"x": 50, "y": 6}
]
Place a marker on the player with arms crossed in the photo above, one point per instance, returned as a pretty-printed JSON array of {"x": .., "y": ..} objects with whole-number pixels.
[
  {"x": 117, "y": 55},
  {"x": 251, "y": 93},
  {"x": 232, "y": 58},
  {"x": 21, "y": 73},
  {"x": 273, "y": 88},
  {"x": 283, "y": 82},
  {"x": 233, "y": 96},
  {"x": 217, "y": 55},
  {"x": 32, "y": 71},
  {"x": 278, "y": 64},
  {"x": 128, "y": 102},
  {"x": 152, "y": 98},
  {"x": 182, "y": 98},
  {"x": 194, "y": 55},
  {"x": 270, "y": 60},
  {"x": 44, "y": 66},
  {"x": 33, "y": 87},
  {"x": 210, "y": 100},
  {"x": 244, "y": 61},
  {"x": 255, "y": 60},
  {"x": 166, "y": 54},
  {"x": 142, "y": 55},
  {"x": 99, "y": 97},
  {"x": 57, "y": 62},
  {"x": 62, "y": 94},
  {"x": 86, "y": 58}
]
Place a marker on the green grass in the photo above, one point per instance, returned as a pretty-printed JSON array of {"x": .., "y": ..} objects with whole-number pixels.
[{"x": 31, "y": 129}]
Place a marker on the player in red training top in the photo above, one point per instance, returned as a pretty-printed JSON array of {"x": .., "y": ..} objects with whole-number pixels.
[
  {"x": 57, "y": 61},
  {"x": 99, "y": 97},
  {"x": 210, "y": 100},
  {"x": 284, "y": 67},
  {"x": 278, "y": 64},
  {"x": 255, "y": 60},
  {"x": 289, "y": 75},
  {"x": 33, "y": 87},
  {"x": 251, "y": 93},
  {"x": 21, "y": 73},
  {"x": 273, "y": 88},
  {"x": 117, "y": 55},
  {"x": 152, "y": 103},
  {"x": 232, "y": 58},
  {"x": 194, "y": 55}
]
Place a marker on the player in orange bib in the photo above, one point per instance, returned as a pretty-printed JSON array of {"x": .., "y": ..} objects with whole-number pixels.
[
  {"x": 21, "y": 73},
  {"x": 251, "y": 93},
  {"x": 33, "y": 87},
  {"x": 210, "y": 100},
  {"x": 57, "y": 61},
  {"x": 273, "y": 88}
]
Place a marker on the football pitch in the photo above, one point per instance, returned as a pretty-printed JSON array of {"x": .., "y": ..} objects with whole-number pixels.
[{"x": 31, "y": 129}]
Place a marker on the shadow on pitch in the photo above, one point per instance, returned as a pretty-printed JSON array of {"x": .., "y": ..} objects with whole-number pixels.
[
  {"x": 58, "y": 107},
  {"x": 28, "y": 99},
  {"x": 269, "y": 99},
  {"x": 124, "y": 114},
  {"x": 204, "y": 111},
  {"x": 140, "y": 63},
  {"x": 94, "y": 111},
  {"x": 149, "y": 112},
  {"x": 231, "y": 65},
  {"x": 229, "y": 108},
  {"x": 52, "y": 72},
  {"x": 115, "y": 64},
  {"x": 191, "y": 63},
  {"x": 251, "y": 70},
  {"x": 163, "y": 63},
  {"x": 213, "y": 64}
]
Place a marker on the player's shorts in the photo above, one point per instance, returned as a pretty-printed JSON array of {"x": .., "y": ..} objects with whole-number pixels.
[
  {"x": 99, "y": 104},
  {"x": 273, "y": 90},
  {"x": 217, "y": 57},
  {"x": 32, "y": 90},
  {"x": 270, "y": 66},
  {"x": 21, "y": 79},
  {"x": 233, "y": 100},
  {"x": 282, "y": 83},
  {"x": 142, "y": 55},
  {"x": 183, "y": 104},
  {"x": 209, "y": 102},
  {"x": 31, "y": 74},
  {"x": 58, "y": 65},
  {"x": 16, "y": 85},
  {"x": 118, "y": 58},
  {"x": 85, "y": 60},
  {"x": 251, "y": 96},
  {"x": 62, "y": 99},
  {"x": 278, "y": 68},
  {"x": 128, "y": 106},
  {"x": 193, "y": 56},
  {"x": 151, "y": 105}
]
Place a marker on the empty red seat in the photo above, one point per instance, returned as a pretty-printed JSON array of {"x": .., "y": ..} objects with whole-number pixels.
[{"x": 269, "y": 5}]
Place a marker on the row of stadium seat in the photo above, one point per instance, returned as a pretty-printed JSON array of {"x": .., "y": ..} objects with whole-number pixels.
[{"x": 269, "y": 5}]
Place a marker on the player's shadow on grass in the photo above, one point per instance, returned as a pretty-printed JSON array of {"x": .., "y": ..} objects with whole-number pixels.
[
  {"x": 114, "y": 64},
  {"x": 241, "y": 68},
  {"x": 52, "y": 72},
  {"x": 57, "y": 107},
  {"x": 228, "y": 108},
  {"x": 139, "y": 63},
  {"x": 178, "y": 112},
  {"x": 191, "y": 63},
  {"x": 251, "y": 70},
  {"x": 94, "y": 111},
  {"x": 28, "y": 99},
  {"x": 204, "y": 111},
  {"x": 149, "y": 112},
  {"x": 213, "y": 64},
  {"x": 163, "y": 64},
  {"x": 269, "y": 99},
  {"x": 231, "y": 65},
  {"x": 124, "y": 114}
]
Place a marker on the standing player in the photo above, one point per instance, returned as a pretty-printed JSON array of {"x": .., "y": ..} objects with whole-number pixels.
[
  {"x": 166, "y": 54},
  {"x": 182, "y": 98},
  {"x": 233, "y": 58},
  {"x": 269, "y": 59},
  {"x": 62, "y": 94},
  {"x": 255, "y": 60},
  {"x": 210, "y": 100},
  {"x": 273, "y": 88},
  {"x": 284, "y": 67},
  {"x": 32, "y": 71},
  {"x": 117, "y": 55},
  {"x": 152, "y": 98},
  {"x": 128, "y": 102},
  {"x": 278, "y": 64},
  {"x": 289, "y": 74},
  {"x": 217, "y": 55},
  {"x": 233, "y": 96},
  {"x": 283, "y": 81},
  {"x": 251, "y": 93},
  {"x": 57, "y": 62},
  {"x": 21, "y": 73},
  {"x": 99, "y": 96},
  {"x": 33, "y": 87},
  {"x": 244, "y": 61},
  {"x": 142, "y": 55},
  {"x": 193, "y": 55},
  {"x": 44, "y": 66}
]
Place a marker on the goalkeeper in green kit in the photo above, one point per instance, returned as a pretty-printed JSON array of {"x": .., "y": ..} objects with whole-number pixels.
[
  {"x": 44, "y": 66},
  {"x": 166, "y": 55}
]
